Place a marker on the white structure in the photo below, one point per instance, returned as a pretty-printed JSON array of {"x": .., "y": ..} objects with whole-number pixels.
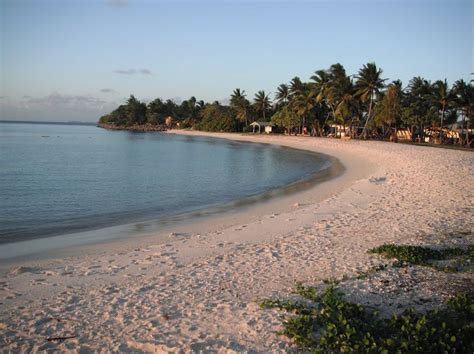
[
  {"x": 338, "y": 131},
  {"x": 268, "y": 126}
]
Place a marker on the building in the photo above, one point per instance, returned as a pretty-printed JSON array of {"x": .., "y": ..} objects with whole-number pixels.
[{"x": 267, "y": 126}]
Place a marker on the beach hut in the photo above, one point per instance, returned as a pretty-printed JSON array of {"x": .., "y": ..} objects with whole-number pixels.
[
  {"x": 338, "y": 131},
  {"x": 403, "y": 135},
  {"x": 268, "y": 126},
  {"x": 436, "y": 135},
  {"x": 169, "y": 122}
]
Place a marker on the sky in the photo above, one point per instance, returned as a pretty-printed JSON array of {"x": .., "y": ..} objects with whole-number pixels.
[{"x": 65, "y": 60}]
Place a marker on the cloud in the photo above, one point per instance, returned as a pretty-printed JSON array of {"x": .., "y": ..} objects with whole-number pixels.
[
  {"x": 145, "y": 71},
  {"x": 126, "y": 72},
  {"x": 134, "y": 71},
  {"x": 57, "y": 100},
  {"x": 107, "y": 90},
  {"x": 56, "y": 107}
]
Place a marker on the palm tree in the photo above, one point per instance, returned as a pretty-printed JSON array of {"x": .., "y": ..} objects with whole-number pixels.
[
  {"x": 441, "y": 97},
  {"x": 262, "y": 103},
  {"x": 398, "y": 84},
  {"x": 420, "y": 87},
  {"x": 282, "y": 94},
  {"x": 241, "y": 105},
  {"x": 236, "y": 97},
  {"x": 321, "y": 80},
  {"x": 389, "y": 110},
  {"x": 200, "y": 104},
  {"x": 347, "y": 107},
  {"x": 331, "y": 87},
  {"x": 369, "y": 84},
  {"x": 464, "y": 101},
  {"x": 303, "y": 103},
  {"x": 417, "y": 112},
  {"x": 296, "y": 85}
]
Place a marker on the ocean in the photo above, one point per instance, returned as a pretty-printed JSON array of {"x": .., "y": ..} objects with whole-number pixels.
[{"x": 64, "y": 179}]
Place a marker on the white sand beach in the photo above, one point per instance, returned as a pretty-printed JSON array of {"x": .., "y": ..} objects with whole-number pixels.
[{"x": 195, "y": 286}]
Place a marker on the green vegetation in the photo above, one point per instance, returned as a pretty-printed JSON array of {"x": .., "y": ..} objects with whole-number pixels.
[
  {"x": 363, "y": 106},
  {"x": 216, "y": 118},
  {"x": 327, "y": 323},
  {"x": 419, "y": 255}
]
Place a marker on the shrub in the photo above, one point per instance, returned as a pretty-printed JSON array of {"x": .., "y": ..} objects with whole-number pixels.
[{"x": 326, "y": 323}]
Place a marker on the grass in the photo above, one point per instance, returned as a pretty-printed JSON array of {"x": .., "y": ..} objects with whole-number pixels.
[
  {"x": 327, "y": 323},
  {"x": 458, "y": 257}
]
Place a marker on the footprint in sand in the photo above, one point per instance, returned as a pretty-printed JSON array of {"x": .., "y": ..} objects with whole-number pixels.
[
  {"x": 22, "y": 270},
  {"x": 13, "y": 295},
  {"x": 378, "y": 180},
  {"x": 94, "y": 267}
]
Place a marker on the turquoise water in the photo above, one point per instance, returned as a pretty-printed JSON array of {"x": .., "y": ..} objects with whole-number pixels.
[{"x": 60, "y": 179}]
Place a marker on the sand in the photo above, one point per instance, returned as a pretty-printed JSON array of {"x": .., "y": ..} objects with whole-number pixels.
[{"x": 195, "y": 286}]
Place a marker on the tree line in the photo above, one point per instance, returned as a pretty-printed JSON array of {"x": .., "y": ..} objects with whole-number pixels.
[{"x": 365, "y": 105}]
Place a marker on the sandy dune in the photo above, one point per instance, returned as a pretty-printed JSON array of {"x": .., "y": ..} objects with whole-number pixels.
[{"x": 194, "y": 287}]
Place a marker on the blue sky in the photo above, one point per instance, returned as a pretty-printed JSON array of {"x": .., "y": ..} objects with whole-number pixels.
[{"x": 75, "y": 60}]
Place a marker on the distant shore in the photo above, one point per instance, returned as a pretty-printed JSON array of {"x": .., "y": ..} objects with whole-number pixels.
[
  {"x": 136, "y": 128},
  {"x": 196, "y": 286},
  {"x": 47, "y": 122}
]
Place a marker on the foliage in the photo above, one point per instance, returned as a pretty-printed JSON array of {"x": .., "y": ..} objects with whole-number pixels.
[
  {"x": 303, "y": 102},
  {"x": 241, "y": 106},
  {"x": 419, "y": 255},
  {"x": 388, "y": 112},
  {"x": 365, "y": 105},
  {"x": 262, "y": 104},
  {"x": 368, "y": 88},
  {"x": 464, "y": 99},
  {"x": 282, "y": 94},
  {"x": 216, "y": 118},
  {"x": 134, "y": 112},
  {"x": 327, "y": 323},
  {"x": 336, "y": 90},
  {"x": 417, "y": 110},
  {"x": 286, "y": 118},
  {"x": 441, "y": 98}
]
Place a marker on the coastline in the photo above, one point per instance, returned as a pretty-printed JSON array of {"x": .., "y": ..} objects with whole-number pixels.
[
  {"x": 195, "y": 288},
  {"x": 72, "y": 243},
  {"x": 134, "y": 128}
]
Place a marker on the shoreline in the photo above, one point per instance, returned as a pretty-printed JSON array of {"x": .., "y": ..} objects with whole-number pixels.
[
  {"x": 134, "y": 128},
  {"x": 196, "y": 289},
  {"x": 48, "y": 247}
]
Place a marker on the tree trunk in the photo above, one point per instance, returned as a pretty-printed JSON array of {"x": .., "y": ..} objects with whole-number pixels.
[
  {"x": 364, "y": 131},
  {"x": 327, "y": 117},
  {"x": 462, "y": 128},
  {"x": 468, "y": 141},
  {"x": 442, "y": 116}
]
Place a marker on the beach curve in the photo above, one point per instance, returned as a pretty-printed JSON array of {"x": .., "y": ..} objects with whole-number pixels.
[{"x": 197, "y": 290}]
